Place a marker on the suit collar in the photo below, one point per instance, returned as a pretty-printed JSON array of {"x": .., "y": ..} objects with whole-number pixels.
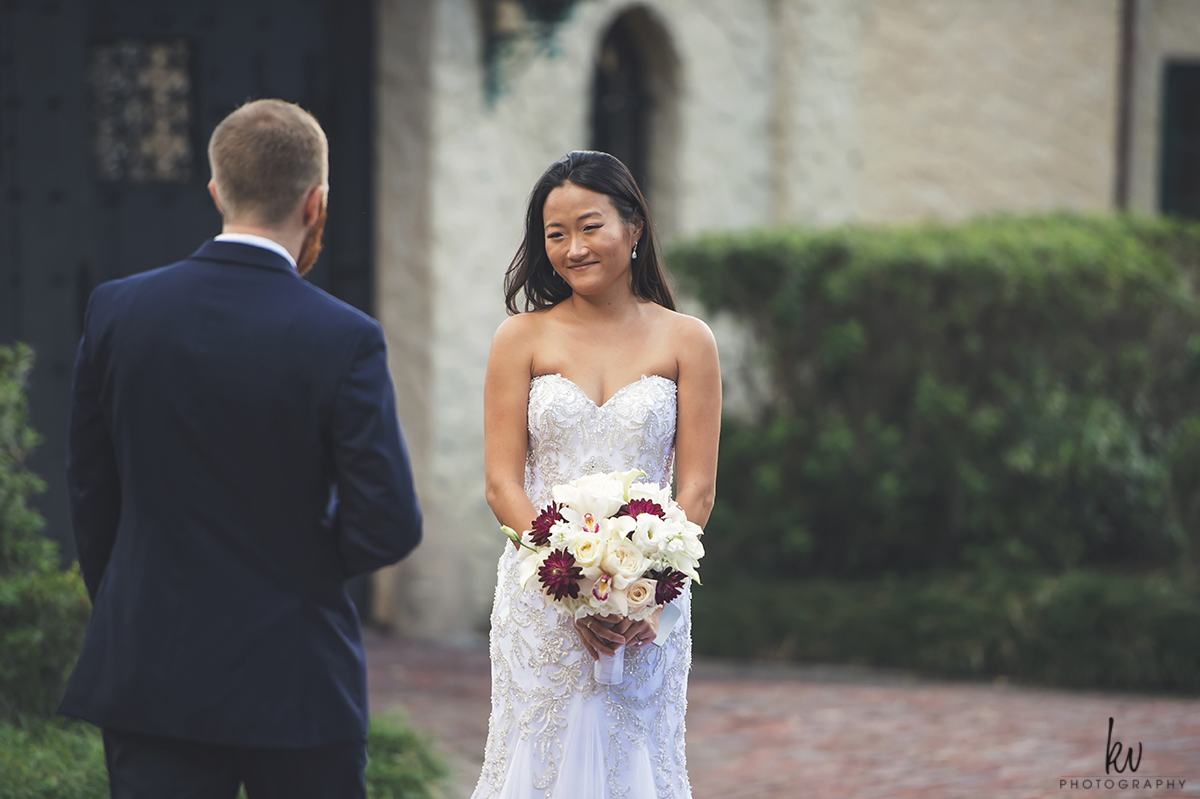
[{"x": 232, "y": 252}]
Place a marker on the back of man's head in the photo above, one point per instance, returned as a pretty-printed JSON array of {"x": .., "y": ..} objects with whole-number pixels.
[{"x": 264, "y": 157}]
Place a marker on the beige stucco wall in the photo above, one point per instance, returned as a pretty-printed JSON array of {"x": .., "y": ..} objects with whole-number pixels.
[
  {"x": 971, "y": 106},
  {"x": 889, "y": 110},
  {"x": 1166, "y": 30},
  {"x": 816, "y": 110}
]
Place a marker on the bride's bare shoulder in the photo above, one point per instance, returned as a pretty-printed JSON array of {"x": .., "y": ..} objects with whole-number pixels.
[
  {"x": 520, "y": 328},
  {"x": 516, "y": 340},
  {"x": 693, "y": 335}
]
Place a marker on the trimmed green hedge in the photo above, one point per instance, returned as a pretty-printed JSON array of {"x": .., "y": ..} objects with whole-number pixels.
[
  {"x": 64, "y": 760},
  {"x": 1081, "y": 629},
  {"x": 1006, "y": 393}
]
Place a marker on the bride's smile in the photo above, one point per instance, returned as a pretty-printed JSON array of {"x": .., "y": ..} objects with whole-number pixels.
[{"x": 588, "y": 243}]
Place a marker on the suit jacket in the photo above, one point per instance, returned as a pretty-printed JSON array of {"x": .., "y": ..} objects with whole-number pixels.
[{"x": 234, "y": 457}]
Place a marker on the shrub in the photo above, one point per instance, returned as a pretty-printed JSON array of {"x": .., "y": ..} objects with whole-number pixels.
[
  {"x": 400, "y": 762},
  {"x": 42, "y": 618},
  {"x": 1002, "y": 393},
  {"x": 1080, "y": 629},
  {"x": 59, "y": 759},
  {"x": 21, "y": 548},
  {"x": 43, "y": 611},
  {"x": 54, "y": 759}
]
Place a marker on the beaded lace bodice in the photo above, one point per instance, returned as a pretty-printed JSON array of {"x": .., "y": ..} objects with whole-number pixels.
[
  {"x": 570, "y": 436},
  {"x": 555, "y": 732}
]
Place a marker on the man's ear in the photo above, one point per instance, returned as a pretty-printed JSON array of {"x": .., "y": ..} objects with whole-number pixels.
[
  {"x": 212, "y": 190},
  {"x": 312, "y": 204}
]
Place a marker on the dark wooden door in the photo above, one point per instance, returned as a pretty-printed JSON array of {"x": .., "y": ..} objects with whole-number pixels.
[{"x": 106, "y": 107}]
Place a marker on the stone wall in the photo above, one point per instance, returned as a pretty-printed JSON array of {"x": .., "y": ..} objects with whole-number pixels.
[{"x": 402, "y": 248}]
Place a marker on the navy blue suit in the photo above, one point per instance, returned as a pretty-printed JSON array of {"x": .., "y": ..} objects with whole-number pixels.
[{"x": 234, "y": 458}]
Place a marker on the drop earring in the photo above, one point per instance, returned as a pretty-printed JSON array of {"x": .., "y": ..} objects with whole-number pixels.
[{"x": 634, "y": 256}]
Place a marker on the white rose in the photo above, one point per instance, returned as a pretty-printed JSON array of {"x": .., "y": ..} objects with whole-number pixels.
[
  {"x": 639, "y": 593},
  {"x": 623, "y": 561},
  {"x": 589, "y": 550}
]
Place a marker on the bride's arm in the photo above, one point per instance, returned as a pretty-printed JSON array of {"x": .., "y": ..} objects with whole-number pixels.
[
  {"x": 698, "y": 425},
  {"x": 505, "y": 435},
  {"x": 506, "y": 442},
  {"x": 697, "y": 432}
]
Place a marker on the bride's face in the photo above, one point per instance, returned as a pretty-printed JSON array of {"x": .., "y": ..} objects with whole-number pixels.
[{"x": 588, "y": 243}]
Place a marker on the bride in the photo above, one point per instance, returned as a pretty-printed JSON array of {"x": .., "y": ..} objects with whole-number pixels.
[{"x": 601, "y": 374}]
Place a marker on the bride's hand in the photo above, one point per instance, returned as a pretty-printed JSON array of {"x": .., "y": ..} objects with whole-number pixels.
[
  {"x": 639, "y": 633},
  {"x": 599, "y": 636}
]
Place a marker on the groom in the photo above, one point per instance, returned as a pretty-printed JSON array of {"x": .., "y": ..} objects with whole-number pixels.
[{"x": 234, "y": 457}]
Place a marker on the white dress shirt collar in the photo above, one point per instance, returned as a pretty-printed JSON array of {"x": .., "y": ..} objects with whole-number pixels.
[{"x": 257, "y": 241}]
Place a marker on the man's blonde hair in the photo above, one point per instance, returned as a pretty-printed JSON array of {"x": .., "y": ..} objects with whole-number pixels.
[{"x": 264, "y": 157}]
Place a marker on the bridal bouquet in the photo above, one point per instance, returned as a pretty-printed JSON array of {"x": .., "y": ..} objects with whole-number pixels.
[{"x": 608, "y": 545}]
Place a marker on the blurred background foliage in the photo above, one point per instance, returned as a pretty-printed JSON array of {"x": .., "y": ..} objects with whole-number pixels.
[
  {"x": 43, "y": 610},
  {"x": 968, "y": 426}
]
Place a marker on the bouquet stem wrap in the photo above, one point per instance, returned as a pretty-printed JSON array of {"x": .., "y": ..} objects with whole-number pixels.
[{"x": 610, "y": 669}]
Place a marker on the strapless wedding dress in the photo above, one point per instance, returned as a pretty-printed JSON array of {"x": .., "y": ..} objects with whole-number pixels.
[{"x": 554, "y": 732}]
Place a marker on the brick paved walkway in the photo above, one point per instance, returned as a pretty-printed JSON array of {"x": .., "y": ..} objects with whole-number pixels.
[{"x": 761, "y": 732}]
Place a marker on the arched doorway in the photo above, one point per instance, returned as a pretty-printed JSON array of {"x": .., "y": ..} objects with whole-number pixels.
[{"x": 634, "y": 109}]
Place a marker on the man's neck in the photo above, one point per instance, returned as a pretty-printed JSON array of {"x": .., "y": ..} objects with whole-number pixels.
[{"x": 290, "y": 241}]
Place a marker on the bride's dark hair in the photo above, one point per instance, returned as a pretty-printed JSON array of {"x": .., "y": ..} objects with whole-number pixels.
[{"x": 530, "y": 271}]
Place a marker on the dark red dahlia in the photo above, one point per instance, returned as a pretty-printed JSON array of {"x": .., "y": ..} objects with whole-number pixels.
[
  {"x": 670, "y": 585},
  {"x": 560, "y": 575},
  {"x": 540, "y": 532},
  {"x": 636, "y": 507}
]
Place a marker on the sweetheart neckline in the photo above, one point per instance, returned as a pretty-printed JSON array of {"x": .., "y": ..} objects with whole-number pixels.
[{"x": 616, "y": 394}]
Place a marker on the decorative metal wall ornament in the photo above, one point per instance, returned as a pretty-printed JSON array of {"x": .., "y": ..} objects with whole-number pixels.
[
  {"x": 141, "y": 108},
  {"x": 514, "y": 33}
]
